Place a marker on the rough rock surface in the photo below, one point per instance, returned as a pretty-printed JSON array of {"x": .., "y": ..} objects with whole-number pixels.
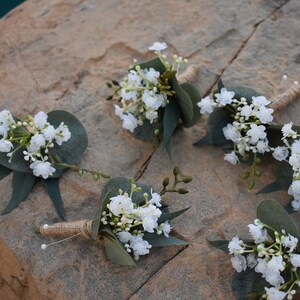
[{"x": 58, "y": 54}]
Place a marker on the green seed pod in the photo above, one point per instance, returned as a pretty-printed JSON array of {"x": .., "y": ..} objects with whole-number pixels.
[
  {"x": 166, "y": 181},
  {"x": 182, "y": 191},
  {"x": 251, "y": 184},
  {"x": 246, "y": 174},
  {"x": 176, "y": 171},
  {"x": 187, "y": 179}
]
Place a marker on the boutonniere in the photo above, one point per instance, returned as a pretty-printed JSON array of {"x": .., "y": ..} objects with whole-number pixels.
[
  {"x": 153, "y": 98},
  {"x": 131, "y": 220},
  {"x": 40, "y": 146},
  {"x": 267, "y": 266},
  {"x": 241, "y": 121}
]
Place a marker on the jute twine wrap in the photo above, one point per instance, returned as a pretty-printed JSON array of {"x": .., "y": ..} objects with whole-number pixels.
[
  {"x": 283, "y": 100},
  {"x": 189, "y": 75},
  {"x": 67, "y": 229}
]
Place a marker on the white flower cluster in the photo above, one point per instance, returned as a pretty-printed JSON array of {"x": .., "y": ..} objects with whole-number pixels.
[
  {"x": 292, "y": 150},
  {"x": 37, "y": 135},
  {"x": 270, "y": 259},
  {"x": 248, "y": 130},
  {"x": 129, "y": 222},
  {"x": 144, "y": 91}
]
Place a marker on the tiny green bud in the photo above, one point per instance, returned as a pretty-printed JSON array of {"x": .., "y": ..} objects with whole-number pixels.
[
  {"x": 258, "y": 161},
  {"x": 109, "y": 97},
  {"x": 251, "y": 184},
  {"x": 96, "y": 177},
  {"x": 156, "y": 131},
  {"x": 166, "y": 181},
  {"x": 109, "y": 84},
  {"x": 187, "y": 179},
  {"x": 246, "y": 174},
  {"x": 182, "y": 191},
  {"x": 80, "y": 172},
  {"x": 176, "y": 171},
  {"x": 114, "y": 82},
  {"x": 145, "y": 196},
  {"x": 138, "y": 189},
  {"x": 257, "y": 173}
]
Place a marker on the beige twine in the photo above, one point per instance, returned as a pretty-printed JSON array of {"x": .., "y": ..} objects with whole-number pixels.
[
  {"x": 283, "y": 100},
  {"x": 189, "y": 75},
  {"x": 67, "y": 229}
]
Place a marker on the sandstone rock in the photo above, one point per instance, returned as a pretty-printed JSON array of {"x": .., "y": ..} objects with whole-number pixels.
[{"x": 58, "y": 54}]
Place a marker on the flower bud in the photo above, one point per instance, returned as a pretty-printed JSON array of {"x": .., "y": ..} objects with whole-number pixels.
[
  {"x": 176, "y": 171},
  {"x": 166, "y": 181},
  {"x": 182, "y": 191},
  {"x": 109, "y": 84},
  {"x": 187, "y": 179}
]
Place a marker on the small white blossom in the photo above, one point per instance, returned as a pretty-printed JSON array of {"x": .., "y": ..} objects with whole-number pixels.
[
  {"x": 5, "y": 146},
  {"x": 157, "y": 46},
  {"x": 40, "y": 120},
  {"x": 152, "y": 75},
  {"x": 118, "y": 111},
  {"x": 124, "y": 236},
  {"x": 296, "y": 147},
  {"x": 296, "y": 204},
  {"x": 295, "y": 260},
  {"x": 231, "y": 133},
  {"x": 287, "y": 130},
  {"x": 36, "y": 142},
  {"x": 231, "y": 158},
  {"x": 139, "y": 246},
  {"x": 239, "y": 263},
  {"x": 121, "y": 205},
  {"x": 166, "y": 228},
  {"x": 49, "y": 133},
  {"x": 151, "y": 115},
  {"x": 265, "y": 114},
  {"x": 235, "y": 246},
  {"x": 258, "y": 233},
  {"x": 128, "y": 95},
  {"x": 251, "y": 260},
  {"x": 41, "y": 168},
  {"x": 290, "y": 242},
  {"x": 261, "y": 266},
  {"x": 155, "y": 199},
  {"x": 260, "y": 101},
  {"x": 280, "y": 153},
  {"x": 62, "y": 134},
  {"x": 246, "y": 111},
  {"x": 206, "y": 105},
  {"x": 134, "y": 78},
  {"x": 129, "y": 122},
  {"x": 5, "y": 120},
  {"x": 149, "y": 223},
  {"x": 294, "y": 161},
  {"x": 225, "y": 97},
  {"x": 274, "y": 294},
  {"x": 256, "y": 133},
  {"x": 294, "y": 189},
  {"x": 262, "y": 146}
]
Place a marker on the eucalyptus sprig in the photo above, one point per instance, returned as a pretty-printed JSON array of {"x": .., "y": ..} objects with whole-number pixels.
[
  {"x": 132, "y": 219},
  {"x": 268, "y": 266},
  {"x": 43, "y": 145},
  {"x": 152, "y": 101},
  {"x": 178, "y": 178}
]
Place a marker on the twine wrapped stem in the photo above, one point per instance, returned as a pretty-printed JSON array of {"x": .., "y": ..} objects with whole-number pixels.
[
  {"x": 189, "y": 75},
  {"x": 68, "y": 229}
]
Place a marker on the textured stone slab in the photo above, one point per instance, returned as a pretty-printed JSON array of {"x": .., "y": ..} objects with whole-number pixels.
[{"x": 58, "y": 54}]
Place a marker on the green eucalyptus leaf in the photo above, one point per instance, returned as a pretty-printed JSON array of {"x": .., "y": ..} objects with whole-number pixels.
[
  {"x": 220, "y": 244},
  {"x": 166, "y": 216},
  {"x": 146, "y": 131},
  {"x": 114, "y": 184},
  {"x": 52, "y": 187},
  {"x": 156, "y": 240},
  {"x": 184, "y": 102},
  {"x": 155, "y": 63},
  {"x": 4, "y": 172},
  {"x": 114, "y": 250},
  {"x": 248, "y": 285},
  {"x": 170, "y": 121},
  {"x": 272, "y": 187},
  {"x": 69, "y": 152},
  {"x": 284, "y": 174},
  {"x": 22, "y": 184},
  {"x": 195, "y": 97},
  {"x": 218, "y": 119},
  {"x": 18, "y": 163},
  {"x": 220, "y": 85},
  {"x": 273, "y": 214},
  {"x": 242, "y": 91}
]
